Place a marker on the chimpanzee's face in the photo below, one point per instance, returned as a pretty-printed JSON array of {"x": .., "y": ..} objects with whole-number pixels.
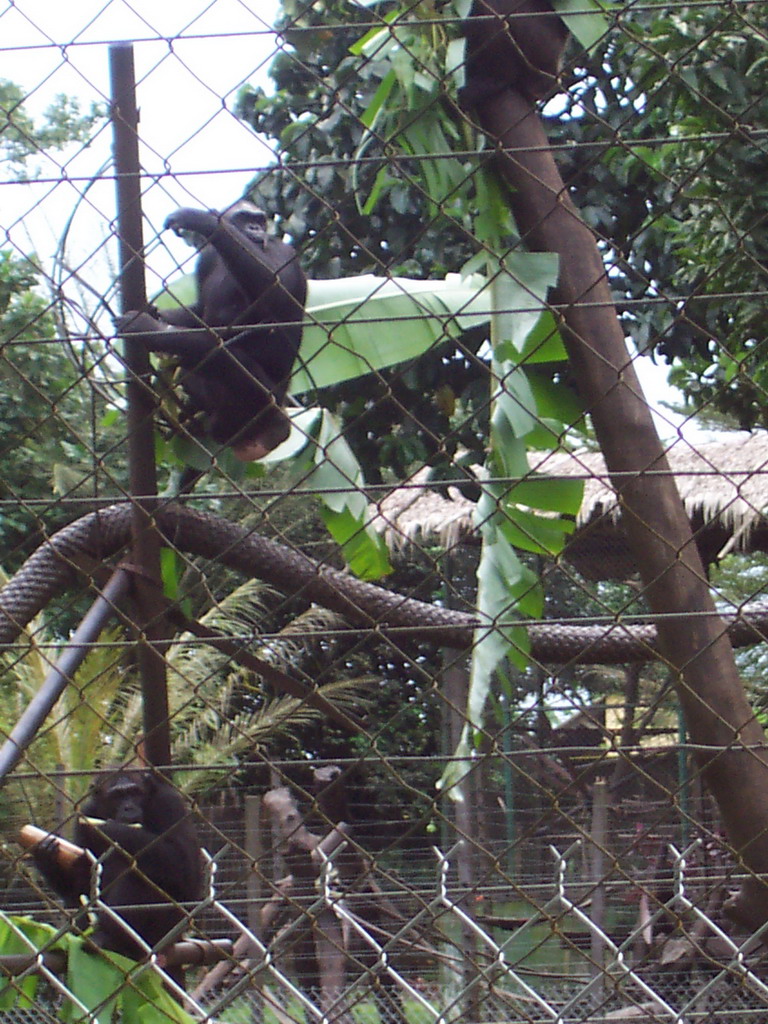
[
  {"x": 123, "y": 800},
  {"x": 247, "y": 218}
]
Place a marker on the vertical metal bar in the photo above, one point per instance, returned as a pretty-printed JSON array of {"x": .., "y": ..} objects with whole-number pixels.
[
  {"x": 509, "y": 786},
  {"x": 683, "y": 779},
  {"x": 253, "y": 848},
  {"x": 152, "y": 628},
  {"x": 599, "y": 834}
]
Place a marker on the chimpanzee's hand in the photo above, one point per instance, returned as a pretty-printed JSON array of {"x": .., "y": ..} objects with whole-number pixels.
[
  {"x": 47, "y": 849},
  {"x": 197, "y": 222},
  {"x": 135, "y": 322}
]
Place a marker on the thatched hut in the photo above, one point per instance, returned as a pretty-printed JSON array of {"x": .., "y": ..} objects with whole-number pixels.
[{"x": 723, "y": 484}]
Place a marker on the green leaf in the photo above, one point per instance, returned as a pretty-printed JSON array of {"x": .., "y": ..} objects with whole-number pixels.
[
  {"x": 189, "y": 451},
  {"x": 336, "y": 472},
  {"x": 181, "y": 292},
  {"x": 544, "y": 344},
  {"x": 345, "y": 338},
  {"x": 514, "y": 410},
  {"x": 95, "y": 981},
  {"x": 508, "y": 457},
  {"x": 555, "y": 401},
  {"x": 370, "y": 114},
  {"x": 110, "y": 418},
  {"x": 531, "y": 532},
  {"x": 589, "y": 26},
  {"x": 554, "y": 495},
  {"x": 454, "y": 62},
  {"x": 366, "y": 323},
  {"x": 506, "y": 587},
  {"x": 502, "y": 581},
  {"x": 21, "y": 935},
  {"x": 518, "y": 292},
  {"x": 377, "y": 40},
  {"x": 365, "y": 551},
  {"x": 172, "y": 567},
  {"x": 382, "y": 179},
  {"x": 337, "y": 476},
  {"x": 146, "y": 1001}
]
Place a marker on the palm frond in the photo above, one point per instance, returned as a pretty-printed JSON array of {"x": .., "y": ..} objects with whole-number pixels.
[{"x": 213, "y": 739}]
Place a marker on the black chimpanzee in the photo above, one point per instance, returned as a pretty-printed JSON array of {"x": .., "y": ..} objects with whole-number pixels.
[
  {"x": 140, "y": 827},
  {"x": 236, "y": 346},
  {"x": 514, "y": 44}
]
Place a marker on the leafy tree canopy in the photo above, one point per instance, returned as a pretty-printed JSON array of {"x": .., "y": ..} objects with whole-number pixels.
[
  {"x": 42, "y": 406},
  {"x": 62, "y": 123},
  {"x": 658, "y": 138},
  {"x": 679, "y": 191}
]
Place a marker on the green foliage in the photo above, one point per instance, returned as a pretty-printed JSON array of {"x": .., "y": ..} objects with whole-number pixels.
[
  {"x": 681, "y": 198},
  {"x": 108, "y": 986},
  {"x": 43, "y": 405},
  {"x": 368, "y": 323},
  {"x": 384, "y": 99},
  {"x": 63, "y": 124},
  {"x": 222, "y": 712},
  {"x": 737, "y": 580},
  {"x": 38, "y": 398},
  {"x": 717, "y": 222},
  {"x": 588, "y": 22},
  {"x": 328, "y": 466},
  {"x": 387, "y": 99},
  {"x": 88, "y": 729},
  {"x": 339, "y": 344},
  {"x": 508, "y": 515}
]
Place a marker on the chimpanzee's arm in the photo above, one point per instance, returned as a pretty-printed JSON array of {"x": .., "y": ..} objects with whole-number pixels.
[
  {"x": 100, "y": 836},
  {"x": 190, "y": 344},
  {"x": 255, "y": 265},
  {"x": 180, "y": 316},
  {"x": 159, "y": 856}
]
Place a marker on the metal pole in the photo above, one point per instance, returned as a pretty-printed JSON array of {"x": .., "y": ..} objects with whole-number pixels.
[
  {"x": 56, "y": 681},
  {"x": 599, "y": 834},
  {"x": 151, "y": 625},
  {"x": 509, "y": 785},
  {"x": 683, "y": 778}
]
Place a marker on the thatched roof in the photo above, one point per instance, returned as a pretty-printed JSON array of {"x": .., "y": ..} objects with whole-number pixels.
[
  {"x": 723, "y": 484},
  {"x": 414, "y": 512},
  {"x": 725, "y": 479}
]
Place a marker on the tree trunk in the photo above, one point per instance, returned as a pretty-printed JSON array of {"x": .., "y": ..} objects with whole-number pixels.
[
  {"x": 692, "y": 637},
  {"x": 629, "y": 734}
]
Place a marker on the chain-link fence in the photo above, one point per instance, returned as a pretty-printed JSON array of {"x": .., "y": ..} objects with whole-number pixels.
[{"x": 383, "y": 511}]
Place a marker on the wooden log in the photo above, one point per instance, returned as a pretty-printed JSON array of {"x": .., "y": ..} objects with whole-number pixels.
[
  {"x": 187, "y": 952},
  {"x": 67, "y": 853}
]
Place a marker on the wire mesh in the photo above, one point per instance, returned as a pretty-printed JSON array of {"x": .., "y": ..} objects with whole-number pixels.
[{"x": 383, "y": 840}]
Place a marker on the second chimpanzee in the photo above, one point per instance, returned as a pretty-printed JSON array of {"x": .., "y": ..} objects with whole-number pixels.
[
  {"x": 236, "y": 346},
  {"x": 140, "y": 827},
  {"x": 514, "y": 44}
]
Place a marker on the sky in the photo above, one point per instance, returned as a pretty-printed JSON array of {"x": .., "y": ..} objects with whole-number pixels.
[{"x": 191, "y": 58}]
